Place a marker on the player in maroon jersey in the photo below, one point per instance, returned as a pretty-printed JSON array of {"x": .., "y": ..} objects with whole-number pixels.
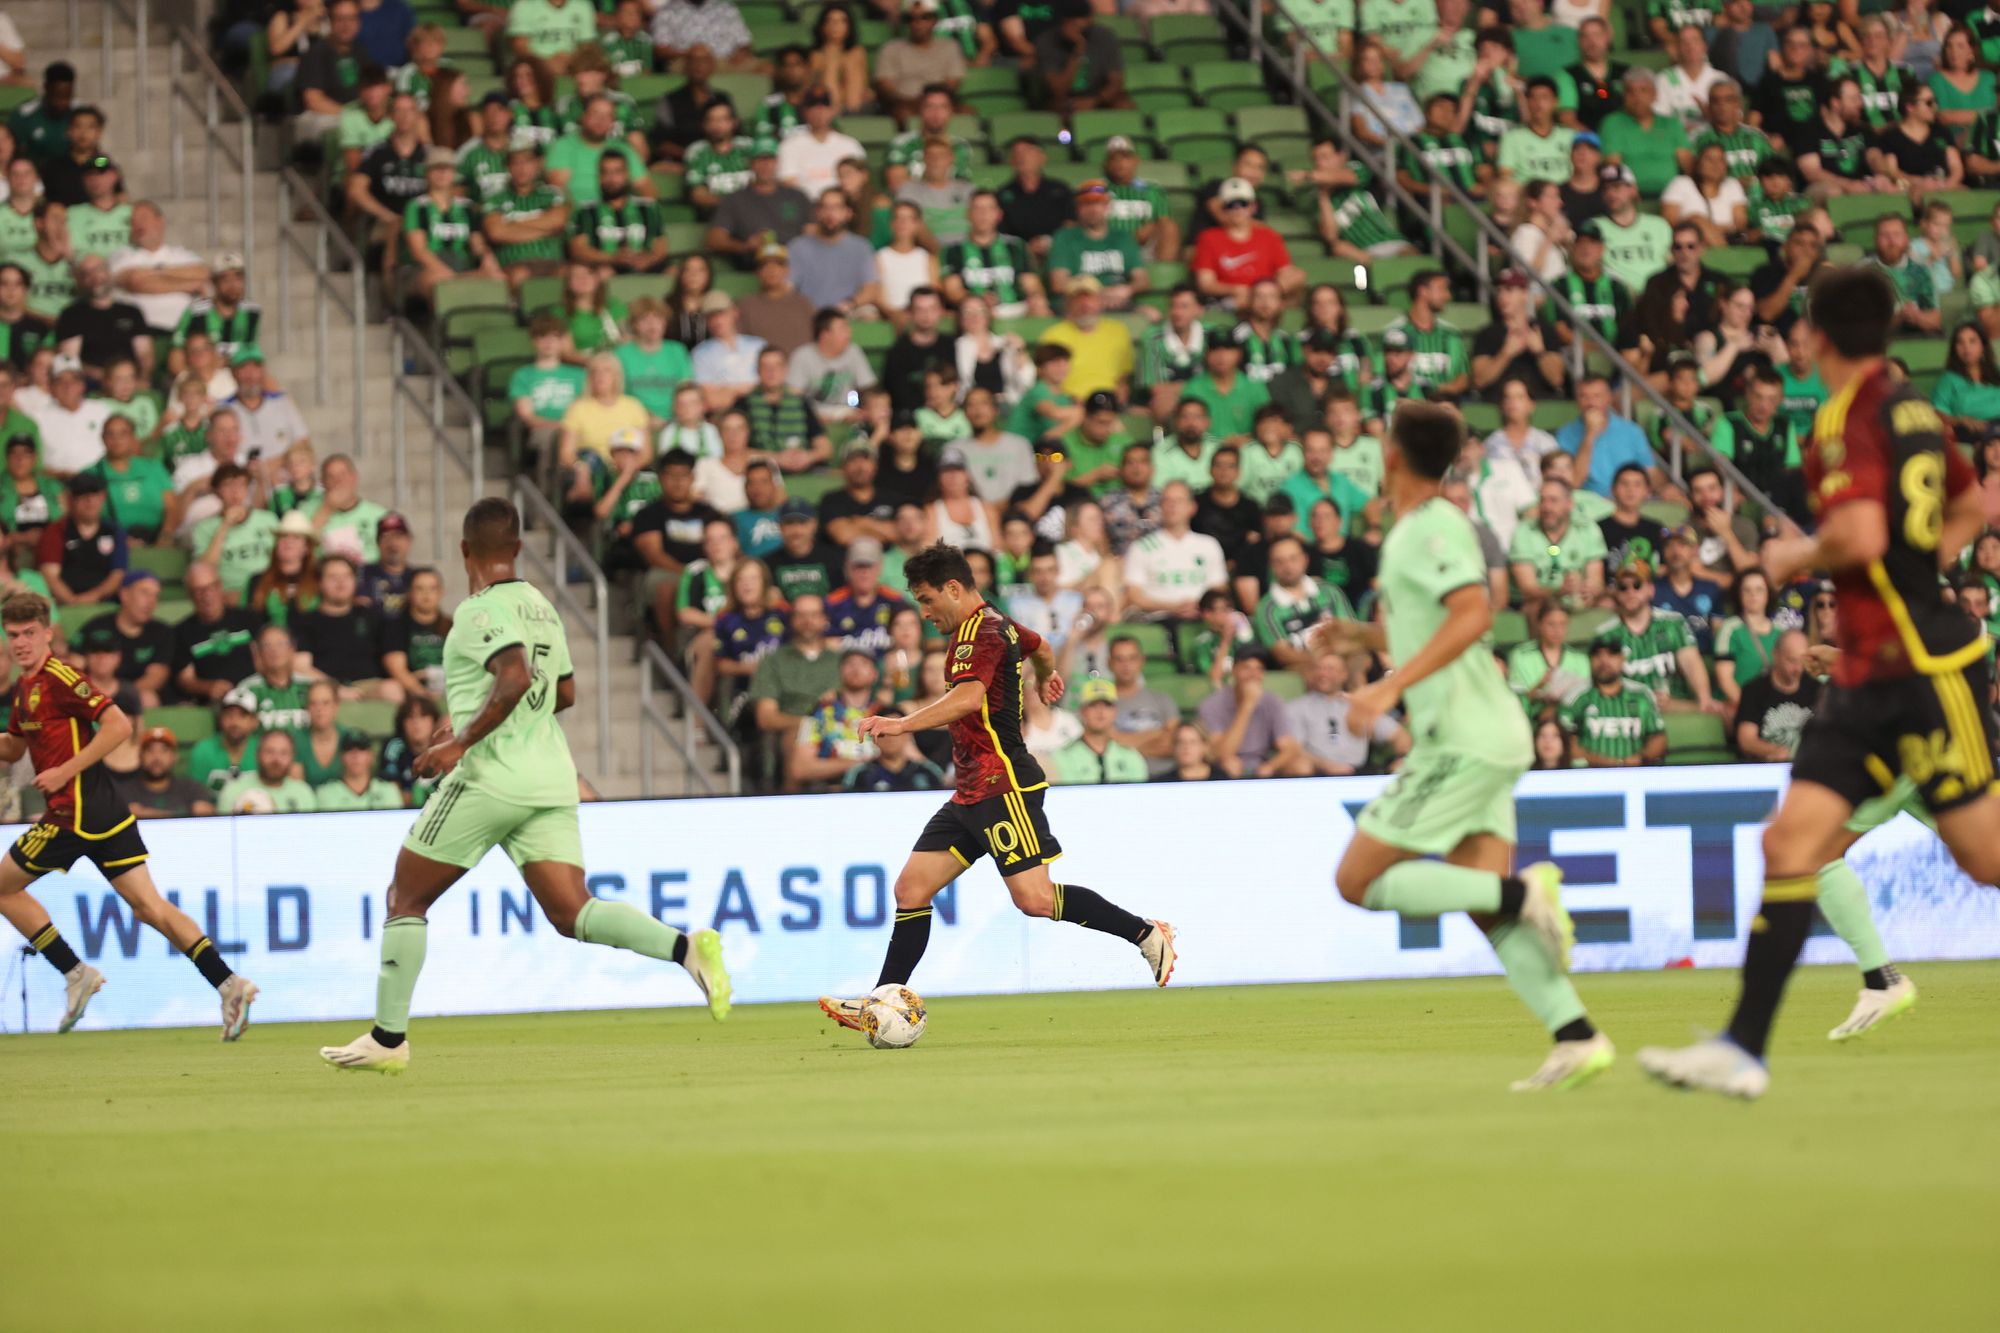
[
  {"x": 60, "y": 718},
  {"x": 1895, "y": 502},
  {"x": 997, "y": 808}
]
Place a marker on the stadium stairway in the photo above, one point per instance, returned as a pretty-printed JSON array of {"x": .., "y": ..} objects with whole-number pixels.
[{"x": 294, "y": 364}]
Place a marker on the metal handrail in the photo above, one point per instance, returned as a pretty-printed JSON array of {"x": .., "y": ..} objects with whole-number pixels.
[
  {"x": 212, "y": 96},
  {"x": 693, "y": 713},
  {"x": 565, "y": 553},
  {"x": 1679, "y": 428},
  {"x": 408, "y": 344},
  {"x": 137, "y": 19}
]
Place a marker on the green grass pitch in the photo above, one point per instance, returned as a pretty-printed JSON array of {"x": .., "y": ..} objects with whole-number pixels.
[{"x": 1298, "y": 1157}]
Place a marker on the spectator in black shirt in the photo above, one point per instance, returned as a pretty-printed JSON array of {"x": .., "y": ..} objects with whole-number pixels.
[
  {"x": 1772, "y": 712},
  {"x": 1583, "y": 192},
  {"x": 1019, "y": 24},
  {"x": 153, "y": 790},
  {"x": 1253, "y": 568},
  {"x": 858, "y": 509},
  {"x": 1628, "y": 533},
  {"x": 386, "y": 583},
  {"x": 1915, "y": 152},
  {"x": 330, "y": 73},
  {"x": 897, "y": 766},
  {"x": 63, "y": 175},
  {"x": 1781, "y": 285},
  {"x": 803, "y": 565},
  {"x": 1599, "y": 80},
  {"x": 341, "y": 638},
  {"x": 920, "y": 350},
  {"x": 98, "y": 329},
  {"x": 1786, "y": 103},
  {"x": 212, "y": 646},
  {"x": 1518, "y": 344},
  {"x": 677, "y": 119},
  {"x": 21, "y": 329},
  {"x": 83, "y": 557},
  {"x": 1079, "y": 65},
  {"x": 1224, "y": 512},
  {"x": 1033, "y": 206},
  {"x": 667, "y": 535},
  {"x": 144, "y": 645},
  {"x": 390, "y": 175}
]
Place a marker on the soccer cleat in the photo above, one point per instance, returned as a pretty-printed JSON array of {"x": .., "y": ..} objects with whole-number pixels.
[
  {"x": 1570, "y": 1064},
  {"x": 238, "y": 993},
  {"x": 79, "y": 984},
  {"x": 364, "y": 1052},
  {"x": 1157, "y": 945},
  {"x": 1542, "y": 911},
  {"x": 704, "y": 964},
  {"x": 847, "y": 1013},
  {"x": 1714, "y": 1065},
  {"x": 1875, "y": 1007}
]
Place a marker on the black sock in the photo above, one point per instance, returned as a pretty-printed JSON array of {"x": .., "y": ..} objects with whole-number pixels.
[
  {"x": 1577, "y": 1029},
  {"x": 49, "y": 943},
  {"x": 1776, "y": 937},
  {"x": 1085, "y": 907},
  {"x": 1881, "y": 978},
  {"x": 207, "y": 960},
  {"x": 1513, "y": 892},
  {"x": 385, "y": 1038},
  {"x": 907, "y": 942},
  {"x": 681, "y": 948}
]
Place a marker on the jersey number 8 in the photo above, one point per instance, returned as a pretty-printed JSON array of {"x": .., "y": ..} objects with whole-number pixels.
[{"x": 1923, "y": 497}]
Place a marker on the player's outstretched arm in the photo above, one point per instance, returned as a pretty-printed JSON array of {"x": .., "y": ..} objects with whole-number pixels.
[
  {"x": 511, "y": 679},
  {"x": 964, "y": 698}
]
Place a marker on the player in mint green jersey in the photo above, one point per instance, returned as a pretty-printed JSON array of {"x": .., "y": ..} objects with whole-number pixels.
[
  {"x": 1454, "y": 797},
  {"x": 508, "y": 782}
]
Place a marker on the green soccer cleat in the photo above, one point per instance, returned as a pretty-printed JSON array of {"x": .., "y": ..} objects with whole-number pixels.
[
  {"x": 704, "y": 964},
  {"x": 1876, "y": 1007},
  {"x": 1570, "y": 1064}
]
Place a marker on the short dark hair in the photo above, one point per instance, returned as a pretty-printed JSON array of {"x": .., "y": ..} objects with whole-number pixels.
[
  {"x": 675, "y": 458},
  {"x": 1855, "y": 308},
  {"x": 937, "y": 565},
  {"x": 825, "y": 319},
  {"x": 1430, "y": 437},
  {"x": 1229, "y": 451},
  {"x": 1541, "y": 81},
  {"x": 492, "y": 526},
  {"x": 25, "y": 608}
]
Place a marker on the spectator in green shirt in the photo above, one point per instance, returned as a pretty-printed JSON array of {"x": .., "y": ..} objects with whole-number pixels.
[
  {"x": 269, "y": 788},
  {"x": 1654, "y": 147},
  {"x": 217, "y": 760},
  {"x": 340, "y": 513},
  {"x": 1917, "y": 304},
  {"x": 140, "y": 491},
  {"x": 1097, "y": 756},
  {"x": 357, "y": 787},
  {"x": 439, "y": 233},
  {"x": 1231, "y": 396},
  {"x": 572, "y": 159},
  {"x": 543, "y": 390},
  {"x": 550, "y": 30},
  {"x": 1556, "y": 553}
]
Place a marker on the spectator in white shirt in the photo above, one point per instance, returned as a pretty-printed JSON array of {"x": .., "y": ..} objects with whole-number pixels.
[
  {"x": 1046, "y": 607},
  {"x": 13, "y": 55},
  {"x": 1685, "y": 86},
  {"x": 1167, "y": 571},
  {"x": 809, "y": 160},
  {"x": 1320, "y": 718},
  {"x": 271, "y": 420},
  {"x": 72, "y": 425},
  {"x": 161, "y": 279}
]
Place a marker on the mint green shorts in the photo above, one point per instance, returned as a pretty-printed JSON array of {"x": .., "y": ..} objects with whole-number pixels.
[
  {"x": 460, "y": 824},
  {"x": 1439, "y": 799},
  {"x": 1873, "y": 814}
]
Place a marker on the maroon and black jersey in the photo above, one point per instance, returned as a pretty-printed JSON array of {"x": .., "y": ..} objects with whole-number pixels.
[
  {"x": 986, "y": 746},
  {"x": 56, "y": 711},
  {"x": 1879, "y": 440}
]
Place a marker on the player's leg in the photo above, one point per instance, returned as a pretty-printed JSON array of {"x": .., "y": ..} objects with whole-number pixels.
[
  {"x": 1843, "y": 901},
  {"x": 134, "y": 883},
  {"x": 1580, "y": 1052},
  {"x": 1018, "y": 834},
  {"x": 26, "y": 914},
  {"x": 417, "y": 883},
  {"x": 944, "y": 850}
]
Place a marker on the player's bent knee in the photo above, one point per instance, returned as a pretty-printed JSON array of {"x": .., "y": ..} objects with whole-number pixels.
[
  {"x": 564, "y": 920},
  {"x": 1032, "y": 899}
]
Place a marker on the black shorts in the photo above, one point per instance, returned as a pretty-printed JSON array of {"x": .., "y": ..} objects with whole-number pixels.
[
  {"x": 1935, "y": 730},
  {"x": 1010, "y": 827},
  {"x": 46, "y": 847}
]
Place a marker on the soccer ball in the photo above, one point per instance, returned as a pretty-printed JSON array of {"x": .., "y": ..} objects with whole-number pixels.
[{"x": 893, "y": 1017}]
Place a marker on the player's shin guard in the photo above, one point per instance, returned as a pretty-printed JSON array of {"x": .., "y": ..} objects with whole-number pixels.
[
  {"x": 1843, "y": 899},
  {"x": 1776, "y": 937},
  {"x": 1087, "y": 908},
  {"x": 404, "y": 939},
  {"x": 623, "y": 926},
  {"x": 207, "y": 960},
  {"x": 49, "y": 943},
  {"x": 1542, "y": 986},
  {"x": 908, "y": 939},
  {"x": 1432, "y": 888}
]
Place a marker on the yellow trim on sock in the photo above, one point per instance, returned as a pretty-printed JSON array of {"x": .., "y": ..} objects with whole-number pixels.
[
  {"x": 42, "y": 938},
  {"x": 1792, "y": 889}
]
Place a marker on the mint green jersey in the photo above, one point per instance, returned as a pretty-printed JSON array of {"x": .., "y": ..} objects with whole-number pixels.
[
  {"x": 1465, "y": 706},
  {"x": 526, "y": 758}
]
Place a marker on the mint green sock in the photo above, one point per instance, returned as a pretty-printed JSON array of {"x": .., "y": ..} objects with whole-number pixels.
[
  {"x": 1432, "y": 888},
  {"x": 403, "y": 942},
  {"x": 623, "y": 926},
  {"x": 1545, "y": 991},
  {"x": 1844, "y": 900}
]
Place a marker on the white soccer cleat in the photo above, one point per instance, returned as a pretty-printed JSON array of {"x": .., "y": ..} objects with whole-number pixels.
[
  {"x": 847, "y": 1013},
  {"x": 1876, "y": 1007},
  {"x": 238, "y": 994},
  {"x": 704, "y": 964},
  {"x": 1157, "y": 945},
  {"x": 1715, "y": 1065},
  {"x": 79, "y": 984},
  {"x": 1542, "y": 911},
  {"x": 364, "y": 1052},
  {"x": 1570, "y": 1064}
]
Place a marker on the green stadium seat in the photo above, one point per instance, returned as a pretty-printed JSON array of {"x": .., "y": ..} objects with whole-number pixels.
[
  {"x": 496, "y": 355},
  {"x": 1666, "y": 513},
  {"x": 1584, "y": 624},
  {"x": 1692, "y": 734},
  {"x": 873, "y": 335},
  {"x": 767, "y": 38},
  {"x": 71, "y": 619},
  {"x": 173, "y": 610},
  {"x": 1155, "y": 639},
  {"x": 1481, "y": 419},
  {"x": 1122, "y": 26},
  {"x": 1229, "y": 85},
  {"x": 1156, "y": 88},
  {"x": 734, "y": 283},
  {"x": 1737, "y": 261},
  {"x": 462, "y": 42},
  {"x": 539, "y": 294},
  {"x": 757, "y": 15},
  {"x": 1469, "y": 317},
  {"x": 1166, "y": 173},
  {"x": 1287, "y": 685},
  {"x": 1011, "y": 125},
  {"x": 1073, "y": 174},
  {"x": 683, "y": 237},
  {"x": 1170, "y": 30},
  {"x": 1553, "y": 416},
  {"x": 1293, "y": 226},
  {"x": 872, "y": 132},
  {"x": 1255, "y": 124},
  {"x": 1392, "y": 275},
  {"x": 1370, "y": 320},
  {"x": 373, "y": 717},
  {"x": 979, "y": 83},
  {"x": 458, "y": 350},
  {"x": 1178, "y": 130},
  {"x": 629, "y": 287},
  {"x": 1848, "y": 209},
  {"x": 1322, "y": 268},
  {"x": 1510, "y": 627},
  {"x": 1092, "y": 128},
  {"x": 1186, "y": 691},
  {"x": 646, "y": 89},
  {"x": 1975, "y": 204},
  {"x": 167, "y": 563},
  {"x": 1030, "y": 327},
  {"x": 993, "y": 175},
  {"x": 189, "y": 723},
  {"x": 972, "y": 129},
  {"x": 746, "y": 91},
  {"x": 1200, "y": 53},
  {"x": 463, "y": 296},
  {"x": 1924, "y": 356}
]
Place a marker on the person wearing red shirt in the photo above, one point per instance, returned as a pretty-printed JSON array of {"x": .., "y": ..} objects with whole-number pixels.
[
  {"x": 1231, "y": 259},
  {"x": 997, "y": 809}
]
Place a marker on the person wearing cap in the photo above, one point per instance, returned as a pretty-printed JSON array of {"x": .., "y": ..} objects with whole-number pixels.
[
  {"x": 1613, "y": 724},
  {"x": 1090, "y": 247},
  {"x": 1101, "y": 354},
  {"x": 1538, "y": 148},
  {"x": 364, "y": 122},
  {"x": 153, "y": 790},
  {"x": 144, "y": 645},
  {"x": 777, "y": 311},
  {"x": 1597, "y": 297},
  {"x": 1078, "y": 64},
  {"x": 357, "y": 787},
  {"x": 1660, "y": 652},
  {"x": 909, "y": 67},
  {"x": 1088, "y": 455},
  {"x": 526, "y": 223},
  {"x": 989, "y": 265},
  {"x": 667, "y": 536},
  {"x": 226, "y": 318},
  {"x": 1230, "y": 259},
  {"x": 1682, "y": 588},
  {"x": 141, "y": 491},
  {"x": 1636, "y": 245},
  {"x": 219, "y": 759},
  {"x": 71, "y": 425},
  {"x": 482, "y": 159},
  {"x": 83, "y": 556},
  {"x": 101, "y": 222},
  {"x": 1583, "y": 191},
  {"x": 271, "y": 421},
  {"x": 1097, "y": 756},
  {"x": 439, "y": 232},
  {"x": 97, "y": 328},
  {"x": 860, "y": 611}
]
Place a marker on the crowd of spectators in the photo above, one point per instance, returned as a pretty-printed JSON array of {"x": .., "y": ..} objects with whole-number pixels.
[{"x": 1154, "y": 420}]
